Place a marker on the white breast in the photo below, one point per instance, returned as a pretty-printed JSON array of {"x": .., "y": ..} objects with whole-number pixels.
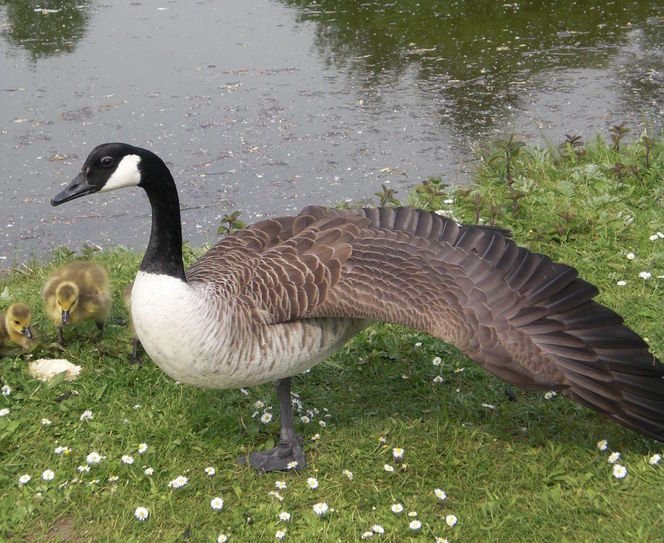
[{"x": 197, "y": 338}]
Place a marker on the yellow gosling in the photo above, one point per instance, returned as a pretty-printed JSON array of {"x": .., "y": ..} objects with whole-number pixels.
[
  {"x": 75, "y": 293},
  {"x": 15, "y": 326}
]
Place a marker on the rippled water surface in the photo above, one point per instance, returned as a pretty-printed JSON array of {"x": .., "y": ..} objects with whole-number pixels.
[{"x": 269, "y": 106}]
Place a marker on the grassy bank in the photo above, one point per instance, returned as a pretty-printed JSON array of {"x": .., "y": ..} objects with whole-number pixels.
[{"x": 519, "y": 470}]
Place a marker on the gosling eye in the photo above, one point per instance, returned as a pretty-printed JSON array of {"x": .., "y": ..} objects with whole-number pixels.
[
  {"x": 107, "y": 161},
  {"x": 16, "y": 322}
]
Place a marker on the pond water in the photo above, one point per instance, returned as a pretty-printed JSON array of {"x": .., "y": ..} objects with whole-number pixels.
[{"x": 268, "y": 106}]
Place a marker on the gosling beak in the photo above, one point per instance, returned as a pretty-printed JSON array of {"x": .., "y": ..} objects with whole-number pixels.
[
  {"x": 65, "y": 317},
  {"x": 27, "y": 332},
  {"x": 77, "y": 188}
]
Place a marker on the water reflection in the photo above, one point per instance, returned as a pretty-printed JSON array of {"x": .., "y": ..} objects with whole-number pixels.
[
  {"x": 476, "y": 58},
  {"x": 45, "y": 28}
]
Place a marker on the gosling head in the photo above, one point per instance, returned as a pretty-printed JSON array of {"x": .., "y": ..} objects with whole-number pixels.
[
  {"x": 66, "y": 296},
  {"x": 17, "y": 321}
]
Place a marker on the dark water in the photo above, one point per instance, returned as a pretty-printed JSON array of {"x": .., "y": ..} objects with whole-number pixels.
[{"x": 268, "y": 106}]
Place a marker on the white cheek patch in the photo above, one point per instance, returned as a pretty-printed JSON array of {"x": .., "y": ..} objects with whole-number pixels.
[{"x": 126, "y": 174}]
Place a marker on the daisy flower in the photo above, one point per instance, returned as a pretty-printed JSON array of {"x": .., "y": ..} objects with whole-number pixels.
[
  {"x": 6, "y": 390},
  {"x": 142, "y": 448},
  {"x": 397, "y": 508},
  {"x": 276, "y": 495},
  {"x": 654, "y": 237},
  {"x": 4, "y": 411},
  {"x": 441, "y": 540},
  {"x": 83, "y": 468},
  {"x": 382, "y": 439},
  {"x": 178, "y": 482},
  {"x": 210, "y": 471},
  {"x": 315, "y": 437},
  {"x": 312, "y": 482},
  {"x": 614, "y": 457},
  {"x": 451, "y": 520},
  {"x": 377, "y": 529},
  {"x": 320, "y": 508},
  {"x": 619, "y": 471},
  {"x": 127, "y": 459},
  {"x": 438, "y": 379},
  {"x": 322, "y": 423},
  {"x": 397, "y": 453},
  {"x": 367, "y": 535},
  {"x": 46, "y": 422},
  {"x": 550, "y": 394},
  {"x": 62, "y": 450},
  {"x": 266, "y": 417},
  {"x": 388, "y": 468},
  {"x": 259, "y": 404},
  {"x": 141, "y": 513},
  {"x": 440, "y": 494},
  {"x": 305, "y": 419},
  {"x": 436, "y": 361},
  {"x": 137, "y": 406},
  {"x": 602, "y": 444},
  {"x": 280, "y": 534},
  {"x": 292, "y": 465},
  {"x": 621, "y": 283},
  {"x": 113, "y": 479},
  {"x": 93, "y": 458},
  {"x": 24, "y": 479},
  {"x": 631, "y": 256},
  {"x": 489, "y": 405},
  {"x": 348, "y": 474},
  {"x": 645, "y": 275},
  {"x": 48, "y": 475},
  {"x": 655, "y": 459},
  {"x": 280, "y": 485},
  {"x": 415, "y": 524},
  {"x": 86, "y": 415},
  {"x": 284, "y": 516},
  {"x": 148, "y": 471},
  {"x": 217, "y": 503},
  {"x": 222, "y": 538}
]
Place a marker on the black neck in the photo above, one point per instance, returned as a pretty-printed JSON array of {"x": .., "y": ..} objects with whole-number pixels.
[{"x": 164, "y": 252}]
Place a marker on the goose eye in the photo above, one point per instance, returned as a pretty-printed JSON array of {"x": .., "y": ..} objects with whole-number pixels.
[
  {"x": 16, "y": 322},
  {"x": 107, "y": 161}
]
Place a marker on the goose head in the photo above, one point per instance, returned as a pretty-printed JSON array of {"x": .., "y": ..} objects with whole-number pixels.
[
  {"x": 17, "y": 321},
  {"x": 109, "y": 166},
  {"x": 67, "y": 295}
]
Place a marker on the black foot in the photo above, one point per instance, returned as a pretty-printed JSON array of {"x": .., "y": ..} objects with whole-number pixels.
[
  {"x": 287, "y": 455},
  {"x": 135, "y": 355}
]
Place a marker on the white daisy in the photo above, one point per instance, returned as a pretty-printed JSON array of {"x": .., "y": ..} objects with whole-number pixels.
[
  {"x": 62, "y": 450},
  {"x": 210, "y": 471},
  {"x": 436, "y": 361},
  {"x": 645, "y": 275},
  {"x": 602, "y": 444},
  {"x": 397, "y": 508},
  {"x": 397, "y": 453},
  {"x": 6, "y": 390},
  {"x": 621, "y": 283},
  {"x": 320, "y": 508},
  {"x": 217, "y": 503},
  {"x": 141, "y": 513},
  {"x": 315, "y": 437},
  {"x": 223, "y": 538},
  {"x": 550, "y": 394},
  {"x": 312, "y": 482},
  {"x": 127, "y": 459},
  {"x": 83, "y": 468},
  {"x": 367, "y": 535},
  {"x": 348, "y": 474},
  {"x": 451, "y": 520},
  {"x": 266, "y": 417},
  {"x": 377, "y": 529},
  {"x": 614, "y": 457},
  {"x": 415, "y": 524},
  {"x": 438, "y": 379},
  {"x": 388, "y": 468},
  {"x": 280, "y": 534},
  {"x": 93, "y": 458},
  {"x": 259, "y": 404},
  {"x": 24, "y": 479},
  {"x": 655, "y": 459},
  {"x": 284, "y": 516},
  {"x": 440, "y": 494},
  {"x": 292, "y": 464},
  {"x": 619, "y": 471},
  {"x": 178, "y": 482},
  {"x": 86, "y": 415},
  {"x": 142, "y": 448},
  {"x": 280, "y": 485},
  {"x": 46, "y": 422},
  {"x": 148, "y": 471},
  {"x": 276, "y": 495},
  {"x": 48, "y": 475},
  {"x": 305, "y": 419},
  {"x": 631, "y": 256},
  {"x": 4, "y": 411}
]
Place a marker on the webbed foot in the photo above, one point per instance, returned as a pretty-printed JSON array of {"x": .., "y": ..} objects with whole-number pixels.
[{"x": 288, "y": 455}]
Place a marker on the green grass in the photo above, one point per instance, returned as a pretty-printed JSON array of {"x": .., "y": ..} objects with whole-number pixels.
[{"x": 519, "y": 470}]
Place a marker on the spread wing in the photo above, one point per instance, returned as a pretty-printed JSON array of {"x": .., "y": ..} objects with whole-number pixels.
[{"x": 521, "y": 316}]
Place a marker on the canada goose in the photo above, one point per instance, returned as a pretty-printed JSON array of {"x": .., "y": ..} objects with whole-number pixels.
[
  {"x": 77, "y": 292},
  {"x": 278, "y": 297},
  {"x": 126, "y": 297},
  {"x": 15, "y": 325}
]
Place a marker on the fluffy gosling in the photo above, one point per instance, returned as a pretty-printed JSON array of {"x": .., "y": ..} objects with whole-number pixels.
[
  {"x": 77, "y": 292},
  {"x": 15, "y": 326}
]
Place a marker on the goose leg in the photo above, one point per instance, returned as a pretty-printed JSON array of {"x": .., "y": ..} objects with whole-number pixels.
[
  {"x": 61, "y": 336},
  {"x": 100, "y": 327},
  {"x": 290, "y": 444},
  {"x": 135, "y": 356}
]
